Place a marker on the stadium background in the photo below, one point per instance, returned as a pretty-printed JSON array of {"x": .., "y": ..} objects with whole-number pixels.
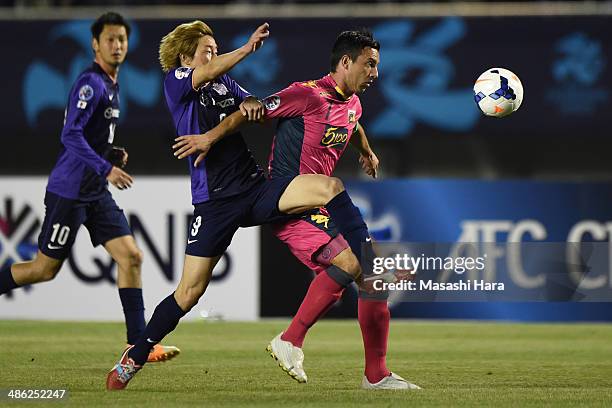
[{"x": 443, "y": 164}]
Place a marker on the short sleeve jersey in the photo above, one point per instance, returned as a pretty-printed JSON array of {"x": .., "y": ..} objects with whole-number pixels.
[{"x": 315, "y": 126}]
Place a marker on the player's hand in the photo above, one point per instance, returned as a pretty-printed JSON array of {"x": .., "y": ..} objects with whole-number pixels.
[
  {"x": 119, "y": 178},
  {"x": 257, "y": 38},
  {"x": 190, "y": 144},
  {"x": 252, "y": 108},
  {"x": 369, "y": 163},
  {"x": 118, "y": 156}
]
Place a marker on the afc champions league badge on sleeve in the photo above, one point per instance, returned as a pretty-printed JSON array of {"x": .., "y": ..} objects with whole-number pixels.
[
  {"x": 85, "y": 94},
  {"x": 182, "y": 72},
  {"x": 272, "y": 102}
]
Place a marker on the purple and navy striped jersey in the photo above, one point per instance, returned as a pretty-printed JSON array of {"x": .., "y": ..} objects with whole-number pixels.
[
  {"x": 92, "y": 112},
  {"x": 229, "y": 168}
]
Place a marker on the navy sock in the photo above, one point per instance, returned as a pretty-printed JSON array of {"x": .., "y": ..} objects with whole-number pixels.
[
  {"x": 133, "y": 309},
  {"x": 350, "y": 223},
  {"x": 165, "y": 318},
  {"x": 7, "y": 283}
]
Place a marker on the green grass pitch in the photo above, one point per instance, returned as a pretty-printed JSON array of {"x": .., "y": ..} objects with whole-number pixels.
[{"x": 225, "y": 364}]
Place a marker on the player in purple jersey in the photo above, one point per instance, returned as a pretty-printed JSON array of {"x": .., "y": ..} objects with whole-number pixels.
[
  {"x": 229, "y": 190},
  {"x": 77, "y": 191}
]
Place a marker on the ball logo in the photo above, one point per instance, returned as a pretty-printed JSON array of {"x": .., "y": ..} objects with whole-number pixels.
[
  {"x": 272, "y": 102},
  {"x": 335, "y": 137},
  {"x": 86, "y": 93}
]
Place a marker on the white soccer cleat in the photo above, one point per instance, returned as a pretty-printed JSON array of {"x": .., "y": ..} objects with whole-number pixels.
[
  {"x": 289, "y": 357},
  {"x": 391, "y": 382}
]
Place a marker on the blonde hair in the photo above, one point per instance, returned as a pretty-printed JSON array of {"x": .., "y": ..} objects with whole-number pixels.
[{"x": 182, "y": 40}]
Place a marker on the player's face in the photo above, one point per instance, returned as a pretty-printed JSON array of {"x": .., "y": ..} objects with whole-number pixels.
[
  {"x": 112, "y": 46},
  {"x": 206, "y": 51},
  {"x": 364, "y": 70}
]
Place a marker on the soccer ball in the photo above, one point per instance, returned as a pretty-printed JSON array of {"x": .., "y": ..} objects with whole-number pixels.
[{"x": 498, "y": 92}]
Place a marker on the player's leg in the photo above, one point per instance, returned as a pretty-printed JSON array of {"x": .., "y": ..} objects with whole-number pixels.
[
  {"x": 197, "y": 272},
  {"x": 108, "y": 226},
  {"x": 308, "y": 191},
  {"x": 311, "y": 235},
  {"x": 41, "y": 269},
  {"x": 63, "y": 218},
  {"x": 213, "y": 226},
  {"x": 315, "y": 242},
  {"x": 324, "y": 291},
  {"x": 128, "y": 257}
]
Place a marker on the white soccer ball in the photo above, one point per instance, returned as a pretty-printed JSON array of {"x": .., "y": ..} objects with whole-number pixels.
[{"x": 498, "y": 92}]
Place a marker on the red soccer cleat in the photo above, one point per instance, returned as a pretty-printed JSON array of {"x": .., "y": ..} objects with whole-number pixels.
[{"x": 121, "y": 374}]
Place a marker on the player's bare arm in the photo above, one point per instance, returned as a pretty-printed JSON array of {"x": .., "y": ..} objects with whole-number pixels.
[
  {"x": 221, "y": 64},
  {"x": 368, "y": 159}
]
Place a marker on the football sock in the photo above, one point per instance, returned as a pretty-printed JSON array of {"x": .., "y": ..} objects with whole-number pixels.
[
  {"x": 133, "y": 309},
  {"x": 324, "y": 291},
  {"x": 7, "y": 283},
  {"x": 165, "y": 319},
  {"x": 374, "y": 316},
  {"x": 350, "y": 223}
]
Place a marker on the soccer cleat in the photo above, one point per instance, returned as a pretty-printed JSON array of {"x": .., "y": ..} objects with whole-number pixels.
[
  {"x": 121, "y": 374},
  {"x": 289, "y": 357},
  {"x": 391, "y": 382},
  {"x": 161, "y": 353}
]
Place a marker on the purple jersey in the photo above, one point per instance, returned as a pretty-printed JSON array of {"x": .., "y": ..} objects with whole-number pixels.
[
  {"x": 229, "y": 168},
  {"x": 89, "y": 127}
]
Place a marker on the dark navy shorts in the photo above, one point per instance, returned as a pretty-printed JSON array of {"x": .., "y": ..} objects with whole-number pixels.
[
  {"x": 63, "y": 216},
  {"x": 214, "y": 222}
]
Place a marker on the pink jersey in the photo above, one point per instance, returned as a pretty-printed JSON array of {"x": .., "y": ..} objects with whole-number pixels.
[{"x": 315, "y": 126}]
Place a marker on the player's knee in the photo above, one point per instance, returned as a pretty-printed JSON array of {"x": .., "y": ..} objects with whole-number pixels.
[
  {"x": 132, "y": 260},
  {"x": 188, "y": 297},
  {"x": 333, "y": 187},
  {"x": 46, "y": 273},
  {"x": 351, "y": 266}
]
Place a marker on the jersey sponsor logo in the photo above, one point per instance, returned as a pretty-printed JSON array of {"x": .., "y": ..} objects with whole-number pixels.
[
  {"x": 54, "y": 246},
  {"x": 272, "y": 102},
  {"x": 182, "y": 72},
  {"x": 86, "y": 93},
  {"x": 352, "y": 116},
  {"x": 226, "y": 102},
  {"x": 81, "y": 104},
  {"x": 335, "y": 137},
  {"x": 111, "y": 113},
  {"x": 219, "y": 88}
]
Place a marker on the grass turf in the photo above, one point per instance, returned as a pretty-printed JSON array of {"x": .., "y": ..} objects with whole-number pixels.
[{"x": 225, "y": 364}]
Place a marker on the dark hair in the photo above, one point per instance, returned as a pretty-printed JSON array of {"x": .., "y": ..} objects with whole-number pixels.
[
  {"x": 352, "y": 43},
  {"x": 110, "y": 18}
]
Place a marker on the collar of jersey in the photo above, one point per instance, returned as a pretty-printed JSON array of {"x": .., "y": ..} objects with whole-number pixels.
[{"x": 333, "y": 83}]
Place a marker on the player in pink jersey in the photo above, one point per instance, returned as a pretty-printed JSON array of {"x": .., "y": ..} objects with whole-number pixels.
[{"x": 317, "y": 121}]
